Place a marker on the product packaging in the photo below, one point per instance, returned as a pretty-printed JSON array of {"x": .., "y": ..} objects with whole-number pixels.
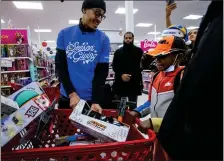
[
  {"x": 21, "y": 64},
  {"x": 10, "y": 50},
  {"x": 24, "y": 81},
  {"x": 32, "y": 101},
  {"x": 8, "y": 106},
  {"x": 105, "y": 128},
  {"x": 21, "y": 51}
]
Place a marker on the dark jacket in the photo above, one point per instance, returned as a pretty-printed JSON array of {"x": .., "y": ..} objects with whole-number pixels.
[
  {"x": 192, "y": 128},
  {"x": 127, "y": 62}
]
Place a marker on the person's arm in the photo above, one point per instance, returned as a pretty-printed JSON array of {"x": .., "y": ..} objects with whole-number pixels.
[
  {"x": 61, "y": 65},
  {"x": 101, "y": 72},
  {"x": 144, "y": 109},
  {"x": 169, "y": 9}
]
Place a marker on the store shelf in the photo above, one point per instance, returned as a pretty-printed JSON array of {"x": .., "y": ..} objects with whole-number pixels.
[
  {"x": 44, "y": 78},
  {"x": 12, "y": 58},
  {"x": 145, "y": 91},
  {"x": 39, "y": 67},
  {"x": 15, "y": 71},
  {"x": 5, "y": 86}
]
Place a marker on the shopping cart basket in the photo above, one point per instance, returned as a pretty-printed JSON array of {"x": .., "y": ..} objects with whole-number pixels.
[
  {"x": 135, "y": 148},
  {"x": 51, "y": 92}
]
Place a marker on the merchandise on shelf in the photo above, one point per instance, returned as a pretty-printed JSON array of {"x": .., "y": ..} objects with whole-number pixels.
[
  {"x": 32, "y": 101},
  {"x": 106, "y": 128}
]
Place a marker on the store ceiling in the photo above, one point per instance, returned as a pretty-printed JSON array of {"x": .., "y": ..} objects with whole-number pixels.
[{"x": 56, "y": 15}]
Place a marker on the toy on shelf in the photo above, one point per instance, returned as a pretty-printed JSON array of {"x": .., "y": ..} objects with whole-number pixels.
[
  {"x": 21, "y": 50},
  {"x": 21, "y": 64},
  {"x": 10, "y": 50}
]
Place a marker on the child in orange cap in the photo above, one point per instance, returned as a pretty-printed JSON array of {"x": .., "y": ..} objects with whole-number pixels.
[{"x": 164, "y": 83}]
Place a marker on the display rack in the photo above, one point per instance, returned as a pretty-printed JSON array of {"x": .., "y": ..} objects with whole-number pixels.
[
  {"x": 19, "y": 62},
  {"x": 146, "y": 78},
  {"x": 16, "y": 58}
]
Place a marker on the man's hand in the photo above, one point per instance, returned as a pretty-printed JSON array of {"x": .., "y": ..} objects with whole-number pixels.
[
  {"x": 134, "y": 114},
  {"x": 97, "y": 108},
  {"x": 144, "y": 126},
  {"x": 126, "y": 77},
  {"x": 170, "y": 8},
  {"x": 74, "y": 100}
]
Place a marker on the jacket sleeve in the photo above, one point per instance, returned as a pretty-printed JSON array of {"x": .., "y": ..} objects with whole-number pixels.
[
  {"x": 144, "y": 109},
  {"x": 101, "y": 73},
  {"x": 156, "y": 123},
  {"x": 116, "y": 64},
  {"x": 62, "y": 66}
]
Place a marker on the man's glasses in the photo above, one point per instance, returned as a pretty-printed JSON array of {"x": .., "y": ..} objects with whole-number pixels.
[{"x": 99, "y": 14}]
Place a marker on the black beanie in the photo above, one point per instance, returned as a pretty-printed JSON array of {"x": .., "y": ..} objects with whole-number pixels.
[{"x": 88, "y": 4}]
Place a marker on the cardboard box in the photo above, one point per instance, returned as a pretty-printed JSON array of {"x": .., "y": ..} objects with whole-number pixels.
[
  {"x": 8, "y": 106},
  {"x": 32, "y": 102},
  {"x": 105, "y": 131}
]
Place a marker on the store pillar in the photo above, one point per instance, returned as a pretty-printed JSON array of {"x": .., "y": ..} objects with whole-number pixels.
[{"x": 129, "y": 16}]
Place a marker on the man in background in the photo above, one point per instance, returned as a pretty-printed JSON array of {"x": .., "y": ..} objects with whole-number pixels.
[{"x": 126, "y": 65}]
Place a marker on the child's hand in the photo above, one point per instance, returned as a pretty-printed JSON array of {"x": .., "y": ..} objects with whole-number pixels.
[
  {"x": 134, "y": 114},
  {"x": 144, "y": 126}
]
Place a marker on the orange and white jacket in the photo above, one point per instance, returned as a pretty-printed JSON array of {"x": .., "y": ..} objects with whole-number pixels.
[{"x": 161, "y": 93}]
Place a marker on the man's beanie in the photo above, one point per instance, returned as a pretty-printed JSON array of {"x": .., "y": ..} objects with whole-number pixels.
[{"x": 88, "y": 4}]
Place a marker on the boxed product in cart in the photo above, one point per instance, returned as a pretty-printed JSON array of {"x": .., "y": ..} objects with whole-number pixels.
[
  {"x": 8, "y": 106},
  {"x": 105, "y": 128},
  {"x": 32, "y": 102}
]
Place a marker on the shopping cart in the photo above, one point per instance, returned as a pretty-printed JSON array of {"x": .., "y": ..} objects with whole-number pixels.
[
  {"x": 135, "y": 148},
  {"x": 52, "y": 92}
]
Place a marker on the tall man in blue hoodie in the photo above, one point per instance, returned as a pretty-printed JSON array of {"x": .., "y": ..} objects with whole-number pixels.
[{"x": 82, "y": 58}]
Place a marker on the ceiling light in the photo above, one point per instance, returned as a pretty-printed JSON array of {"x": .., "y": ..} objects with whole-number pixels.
[
  {"x": 2, "y": 21},
  {"x": 28, "y": 5},
  {"x": 143, "y": 25},
  {"x": 120, "y": 28},
  {"x": 122, "y": 11},
  {"x": 154, "y": 33},
  {"x": 192, "y": 27},
  {"x": 49, "y": 41},
  {"x": 42, "y": 30},
  {"x": 192, "y": 17},
  {"x": 73, "y": 22}
]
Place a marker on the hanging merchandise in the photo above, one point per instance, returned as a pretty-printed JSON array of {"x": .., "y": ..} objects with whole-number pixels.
[
  {"x": 51, "y": 52},
  {"x": 147, "y": 45},
  {"x": 48, "y": 49},
  {"x": 44, "y": 44}
]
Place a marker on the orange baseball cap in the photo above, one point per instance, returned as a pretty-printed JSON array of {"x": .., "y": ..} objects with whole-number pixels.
[{"x": 167, "y": 45}]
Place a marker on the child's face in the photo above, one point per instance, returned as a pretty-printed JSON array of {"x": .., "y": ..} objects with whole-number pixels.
[{"x": 164, "y": 62}]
